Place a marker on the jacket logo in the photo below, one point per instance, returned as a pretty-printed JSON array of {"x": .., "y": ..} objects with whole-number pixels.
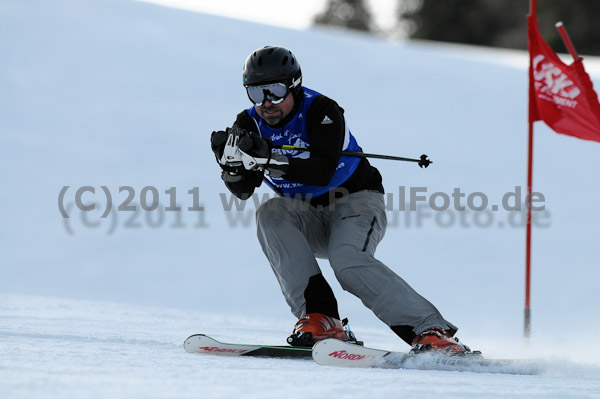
[{"x": 326, "y": 121}]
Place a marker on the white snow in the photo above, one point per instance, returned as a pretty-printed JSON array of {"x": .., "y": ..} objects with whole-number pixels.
[{"x": 122, "y": 93}]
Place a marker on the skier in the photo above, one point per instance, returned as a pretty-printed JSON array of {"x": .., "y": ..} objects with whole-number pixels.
[{"x": 330, "y": 206}]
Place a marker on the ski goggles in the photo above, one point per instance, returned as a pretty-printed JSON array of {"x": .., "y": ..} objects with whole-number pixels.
[{"x": 274, "y": 92}]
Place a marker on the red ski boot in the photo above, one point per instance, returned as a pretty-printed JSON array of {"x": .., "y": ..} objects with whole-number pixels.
[
  {"x": 314, "y": 327},
  {"x": 437, "y": 339}
]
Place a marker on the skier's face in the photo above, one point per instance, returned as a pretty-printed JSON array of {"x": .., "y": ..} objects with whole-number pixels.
[{"x": 275, "y": 113}]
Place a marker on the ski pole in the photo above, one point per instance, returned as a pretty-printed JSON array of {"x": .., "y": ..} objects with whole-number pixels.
[{"x": 423, "y": 161}]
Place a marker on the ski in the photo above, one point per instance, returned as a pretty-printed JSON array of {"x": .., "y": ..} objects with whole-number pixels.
[
  {"x": 200, "y": 343},
  {"x": 333, "y": 352}
]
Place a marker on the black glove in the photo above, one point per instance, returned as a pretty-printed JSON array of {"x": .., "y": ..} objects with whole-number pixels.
[
  {"x": 254, "y": 145},
  {"x": 217, "y": 143},
  {"x": 257, "y": 155},
  {"x": 224, "y": 144}
]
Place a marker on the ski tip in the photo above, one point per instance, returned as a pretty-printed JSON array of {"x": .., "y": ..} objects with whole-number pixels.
[{"x": 333, "y": 352}]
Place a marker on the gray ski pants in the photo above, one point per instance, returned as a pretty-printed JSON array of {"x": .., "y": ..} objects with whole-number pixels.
[{"x": 347, "y": 232}]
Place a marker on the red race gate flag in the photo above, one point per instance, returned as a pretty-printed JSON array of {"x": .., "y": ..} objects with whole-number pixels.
[{"x": 561, "y": 95}]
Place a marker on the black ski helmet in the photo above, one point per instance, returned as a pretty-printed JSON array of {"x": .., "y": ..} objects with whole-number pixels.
[{"x": 272, "y": 64}]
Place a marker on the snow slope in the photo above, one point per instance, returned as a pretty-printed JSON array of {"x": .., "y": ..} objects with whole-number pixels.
[
  {"x": 120, "y": 93},
  {"x": 56, "y": 348}
]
